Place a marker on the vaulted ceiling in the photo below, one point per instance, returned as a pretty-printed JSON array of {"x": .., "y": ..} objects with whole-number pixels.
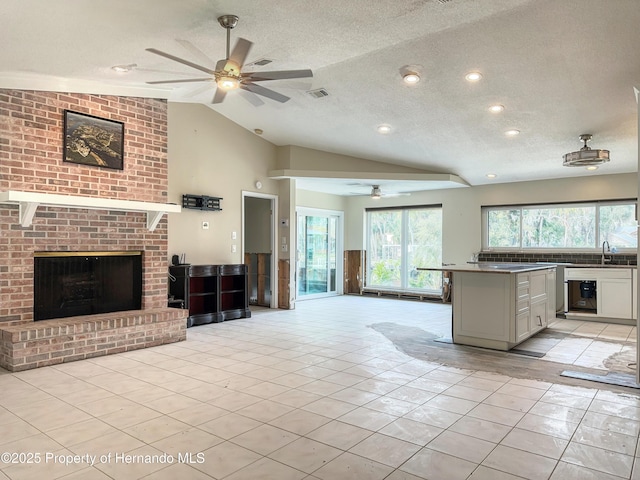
[{"x": 559, "y": 68}]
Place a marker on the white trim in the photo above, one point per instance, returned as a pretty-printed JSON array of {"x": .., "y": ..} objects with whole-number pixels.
[{"x": 274, "y": 240}]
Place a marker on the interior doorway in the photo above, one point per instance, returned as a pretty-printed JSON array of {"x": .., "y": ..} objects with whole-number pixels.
[
  {"x": 259, "y": 213},
  {"x": 319, "y": 253}
]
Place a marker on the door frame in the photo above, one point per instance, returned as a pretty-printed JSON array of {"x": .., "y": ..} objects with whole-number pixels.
[
  {"x": 273, "y": 241},
  {"x": 320, "y": 212}
]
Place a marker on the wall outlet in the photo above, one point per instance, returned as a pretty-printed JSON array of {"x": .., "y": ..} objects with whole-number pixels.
[
  {"x": 233, "y": 249},
  {"x": 284, "y": 248},
  {"x": 205, "y": 225}
]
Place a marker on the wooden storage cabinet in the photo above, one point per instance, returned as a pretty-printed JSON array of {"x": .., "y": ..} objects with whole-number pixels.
[
  {"x": 234, "y": 291},
  {"x": 211, "y": 293}
]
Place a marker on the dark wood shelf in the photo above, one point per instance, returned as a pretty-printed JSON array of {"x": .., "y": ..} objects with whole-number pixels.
[{"x": 211, "y": 293}]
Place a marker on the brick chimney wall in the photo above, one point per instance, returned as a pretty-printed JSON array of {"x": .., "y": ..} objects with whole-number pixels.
[{"x": 31, "y": 159}]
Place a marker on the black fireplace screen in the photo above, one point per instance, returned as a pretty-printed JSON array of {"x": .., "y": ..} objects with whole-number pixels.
[{"x": 86, "y": 283}]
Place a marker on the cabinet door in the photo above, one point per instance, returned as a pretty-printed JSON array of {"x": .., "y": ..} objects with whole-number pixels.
[
  {"x": 538, "y": 319},
  {"x": 523, "y": 329},
  {"x": 614, "y": 298}
]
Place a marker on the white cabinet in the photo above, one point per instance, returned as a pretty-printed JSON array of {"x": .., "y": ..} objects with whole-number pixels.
[
  {"x": 634, "y": 293},
  {"x": 614, "y": 298},
  {"x": 498, "y": 310}
]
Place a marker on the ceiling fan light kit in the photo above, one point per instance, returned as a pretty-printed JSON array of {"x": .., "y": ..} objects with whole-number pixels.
[
  {"x": 586, "y": 156},
  {"x": 227, "y": 82},
  {"x": 228, "y": 73}
]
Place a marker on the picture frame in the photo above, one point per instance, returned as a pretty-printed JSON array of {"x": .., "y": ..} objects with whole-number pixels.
[{"x": 93, "y": 141}]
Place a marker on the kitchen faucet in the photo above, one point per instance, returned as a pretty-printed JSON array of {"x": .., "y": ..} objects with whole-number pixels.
[{"x": 605, "y": 259}]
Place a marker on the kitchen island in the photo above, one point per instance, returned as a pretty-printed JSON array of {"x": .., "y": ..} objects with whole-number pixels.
[{"x": 499, "y": 305}]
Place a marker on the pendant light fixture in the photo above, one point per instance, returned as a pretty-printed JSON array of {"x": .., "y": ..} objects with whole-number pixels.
[{"x": 586, "y": 156}]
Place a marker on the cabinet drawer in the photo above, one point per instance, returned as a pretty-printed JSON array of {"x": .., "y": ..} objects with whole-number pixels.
[
  {"x": 523, "y": 292},
  {"x": 237, "y": 269}
]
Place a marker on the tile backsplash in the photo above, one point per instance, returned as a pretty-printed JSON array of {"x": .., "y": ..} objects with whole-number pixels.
[{"x": 579, "y": 258}]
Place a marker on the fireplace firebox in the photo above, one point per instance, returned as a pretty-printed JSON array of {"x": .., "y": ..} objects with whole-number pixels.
[{"x": 68, "y": 284}]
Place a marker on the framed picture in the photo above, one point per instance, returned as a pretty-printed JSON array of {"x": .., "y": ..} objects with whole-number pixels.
[{"x": 93, "y": 140}]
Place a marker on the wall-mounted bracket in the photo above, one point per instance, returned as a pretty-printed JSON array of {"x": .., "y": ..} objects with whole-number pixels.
[
  {"x": 26, "y": 212},
  {"x": 201, "y": 202}
]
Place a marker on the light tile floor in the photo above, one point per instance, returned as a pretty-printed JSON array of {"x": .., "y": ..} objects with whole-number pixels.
[
  {"x": 594, "y": 345},
  {"x": 312, "y": 393}
]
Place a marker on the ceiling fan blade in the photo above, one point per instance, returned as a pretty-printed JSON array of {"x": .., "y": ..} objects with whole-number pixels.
[
  {"x": 238, "y": 55},
  {"x": 186, "y": 80},
  {"x": 251, "y": 97},
  {"x": 195, "y": 51},
  {"x": 218, "y": 97},
  {"x": 197, "y": 91},
  {"x": 277, "y": 75},
  {"x": 389, "y": 195},
  {"x": 181, "y": 60},
  {"x": 265, "y": 92}
]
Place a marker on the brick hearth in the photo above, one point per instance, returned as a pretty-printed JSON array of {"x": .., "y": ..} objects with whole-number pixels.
[{"x": 49, "y": 342}]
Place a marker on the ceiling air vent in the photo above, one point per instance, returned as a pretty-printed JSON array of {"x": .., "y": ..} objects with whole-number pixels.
[
  {"x": 318, "y": 93},
  {"x": 444, "y": 1},
  {"x": 260, "y": 63}
]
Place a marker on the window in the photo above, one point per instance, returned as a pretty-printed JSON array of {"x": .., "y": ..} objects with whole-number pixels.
[
  {"x": 401, "y": 240},
  {"x": 576, "y": 226}
]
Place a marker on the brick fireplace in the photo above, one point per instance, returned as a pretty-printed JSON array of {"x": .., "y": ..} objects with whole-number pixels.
[{"x": 31, "y": 160}]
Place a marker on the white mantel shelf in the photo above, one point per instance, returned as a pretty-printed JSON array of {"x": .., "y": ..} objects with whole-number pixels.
[{"x": 29, "y": 202}]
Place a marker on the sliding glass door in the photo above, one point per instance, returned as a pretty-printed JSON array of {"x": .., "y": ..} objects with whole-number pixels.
[
  {"x": 400, "y": 240},
  {"x": 319, "y": 253}
]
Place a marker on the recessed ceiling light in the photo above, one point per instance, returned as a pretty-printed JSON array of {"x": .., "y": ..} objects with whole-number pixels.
[
  {"x": 592, "y": 167},
  {"x": 496, "y": 108},
  {"x": 124, "y": 68},
  {"x": 411, "y": 78},
  {"x": 384, "y": 128},
  {"x": 473, "y": 76},
  {"x": 512, "y": 133},
  {"x": 491, "y": 175}
]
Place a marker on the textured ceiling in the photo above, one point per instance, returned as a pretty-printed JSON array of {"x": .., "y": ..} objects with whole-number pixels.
[{"x": 560, "y": 68}]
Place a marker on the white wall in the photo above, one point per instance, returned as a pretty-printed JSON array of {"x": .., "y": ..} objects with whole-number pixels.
[
  {"x": 210, "y": 155},
  {"x": 325, "y": 201},
  {"x": 461, "y": 235}
]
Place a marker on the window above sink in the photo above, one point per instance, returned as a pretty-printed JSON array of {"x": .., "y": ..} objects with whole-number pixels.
[{"x": 567, "y": 227}]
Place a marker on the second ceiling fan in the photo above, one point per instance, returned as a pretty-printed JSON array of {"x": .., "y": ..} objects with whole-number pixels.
[{"x": 228, "y": 73}]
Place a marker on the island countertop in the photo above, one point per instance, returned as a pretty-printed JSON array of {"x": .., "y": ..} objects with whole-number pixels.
[{"x": 488, "y": 267}]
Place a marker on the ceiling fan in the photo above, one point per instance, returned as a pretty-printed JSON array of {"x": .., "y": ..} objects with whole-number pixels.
[
  {"x": 376, "y": 192},
  {"x": 228, "y": 73}
]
